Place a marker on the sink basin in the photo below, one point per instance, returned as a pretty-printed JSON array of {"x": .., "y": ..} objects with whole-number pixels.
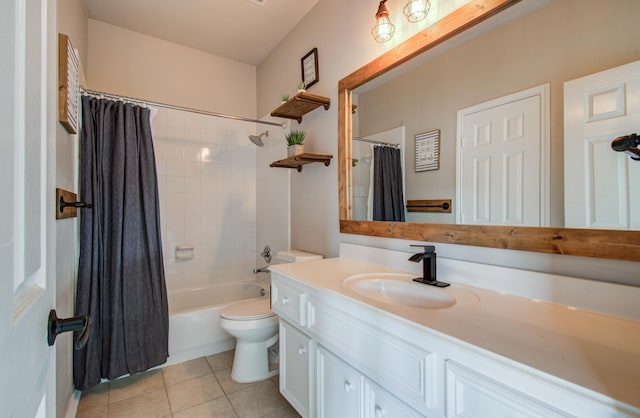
[{"x": 398, "y": 289}]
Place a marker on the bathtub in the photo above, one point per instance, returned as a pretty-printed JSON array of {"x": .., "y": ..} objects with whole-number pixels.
[{"x": 194, "y": 318}]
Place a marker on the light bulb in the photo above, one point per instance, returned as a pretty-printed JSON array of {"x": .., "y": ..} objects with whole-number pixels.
[
  {"x": 416, "y": 10},
  {"x": 384, "y": 29}
]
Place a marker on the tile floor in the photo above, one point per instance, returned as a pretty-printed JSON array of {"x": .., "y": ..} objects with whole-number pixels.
[{"x": 195, "y": 389}]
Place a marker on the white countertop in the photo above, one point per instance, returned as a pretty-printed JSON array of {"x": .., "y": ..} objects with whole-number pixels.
[{"x": 593, "y": 350}]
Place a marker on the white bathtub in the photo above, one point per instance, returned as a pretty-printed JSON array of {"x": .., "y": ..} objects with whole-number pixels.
[{"x": 194, "y": 318}]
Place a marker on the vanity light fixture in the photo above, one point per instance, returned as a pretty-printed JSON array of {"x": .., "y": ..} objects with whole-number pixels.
[
  {"x": 416, "y": 10},
  {"x": 384, "y": 29}
]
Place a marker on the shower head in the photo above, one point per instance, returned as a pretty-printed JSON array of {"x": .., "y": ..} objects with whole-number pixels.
[{"x": 258, "y": 139}]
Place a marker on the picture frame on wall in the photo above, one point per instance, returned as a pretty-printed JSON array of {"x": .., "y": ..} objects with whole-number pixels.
[
  {"x": 309, "y": 65},
  {"x": 427, "y": 151}
]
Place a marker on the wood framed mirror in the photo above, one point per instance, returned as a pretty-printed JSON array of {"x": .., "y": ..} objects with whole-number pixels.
[{"x": 599, "y": 243}]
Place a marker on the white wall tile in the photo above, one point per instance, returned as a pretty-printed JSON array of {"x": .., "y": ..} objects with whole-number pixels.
[
  {"x": 175, "y": 184},
  {"x": 174, "y": 168},
  {"x": 174, "y": 149},
  {"x": 207, "y": 184},
  {"x": 192, "y": 184},
  {"x": 193, "y": 151},
  {"x": 192, "y": 169}
]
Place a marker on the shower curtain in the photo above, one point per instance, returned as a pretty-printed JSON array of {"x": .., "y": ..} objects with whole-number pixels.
[
  {"x": 388, "y": 199},
  {"x": 121, "y": 282}
]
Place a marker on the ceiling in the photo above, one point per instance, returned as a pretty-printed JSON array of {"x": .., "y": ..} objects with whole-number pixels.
[{"x": 241, "y": 30}]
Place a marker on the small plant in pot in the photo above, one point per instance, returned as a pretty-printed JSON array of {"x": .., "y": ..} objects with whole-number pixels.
[
  {"x": 284, "y": 97},
  {"x": 301, "y": 86},
  {"x": 294, "y": 143}
]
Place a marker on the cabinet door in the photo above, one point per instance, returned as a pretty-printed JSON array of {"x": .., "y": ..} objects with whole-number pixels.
[
  {"x": 294, "y": 367},
  {"x": 469, "y": 393},
  {"x": 339, "y": 387},
  {"x": 378, "y": 403}
]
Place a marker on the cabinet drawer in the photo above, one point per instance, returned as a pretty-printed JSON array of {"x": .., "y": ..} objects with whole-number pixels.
[
  {"x": 408, "y": 371},
  {"x": 289, "y": 303},
  {"x": 468, "y": 392},
  {"x": 378, "y": 403},
  {"x": 294, "y": 367}
]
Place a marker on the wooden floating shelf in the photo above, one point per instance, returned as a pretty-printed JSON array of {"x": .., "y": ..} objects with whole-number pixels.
[
  {"x": 299, "y": 105},
  {"x": 298, "y": 161}
]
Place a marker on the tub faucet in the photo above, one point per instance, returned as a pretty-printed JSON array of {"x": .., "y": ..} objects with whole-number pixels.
[
  {"x": 428, "y": 258},
  {"x": 264, "y": 269}
]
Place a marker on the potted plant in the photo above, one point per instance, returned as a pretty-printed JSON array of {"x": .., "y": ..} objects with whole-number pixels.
[
  {"x": 294, "y": 143},
  {"x": 284, "y": 97},
  {"x": 302, "y": 86}
]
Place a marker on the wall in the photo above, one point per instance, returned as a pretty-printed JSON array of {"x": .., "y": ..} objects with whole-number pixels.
[
  {"x": 272, "y": 195},
  {"x": 136, "y": 65},
  {"x": 206, "y": 178},
  {"x": 341, "y": 32},
  {"x": 72, "y": 21},
  {"x": 511, "y": 58},
  {"x": 129, "y": 63}
]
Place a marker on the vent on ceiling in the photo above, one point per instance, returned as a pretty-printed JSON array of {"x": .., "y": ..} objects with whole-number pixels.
[{"x": 258, "y": 2}]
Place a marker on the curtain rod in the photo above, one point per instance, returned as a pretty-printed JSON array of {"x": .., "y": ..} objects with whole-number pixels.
[
  {"x": 374, "y": 141},
  {"x": 185, "y": 109}
]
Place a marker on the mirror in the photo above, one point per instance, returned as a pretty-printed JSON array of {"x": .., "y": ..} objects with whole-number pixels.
[{"x": 356, "y": 89}]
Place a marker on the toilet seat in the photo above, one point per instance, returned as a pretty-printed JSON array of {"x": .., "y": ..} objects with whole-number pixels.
[{"x": 248, "y": 310}]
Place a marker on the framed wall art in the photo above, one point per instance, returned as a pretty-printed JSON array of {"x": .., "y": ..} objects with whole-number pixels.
[
  {"x": 427, "y": 151},
  {"x": 309, "y": 64},
  {"x": 68, "y": 85}
]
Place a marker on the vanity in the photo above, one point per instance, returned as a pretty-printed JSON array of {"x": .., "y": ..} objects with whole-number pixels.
[
  {"x": 349, "y": 348},
  {"x": 359, "y": 339}
]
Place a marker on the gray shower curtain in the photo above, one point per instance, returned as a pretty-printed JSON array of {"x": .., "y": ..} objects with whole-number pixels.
[
  {"x": 121, "y": 282},
  {"x": 388, "y": 199}
]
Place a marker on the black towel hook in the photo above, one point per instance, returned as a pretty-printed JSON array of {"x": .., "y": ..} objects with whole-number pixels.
[{"x": 80, "y": 205}]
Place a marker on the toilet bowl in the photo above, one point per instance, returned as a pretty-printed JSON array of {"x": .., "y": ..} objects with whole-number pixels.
[{"x": 255, "y": 328}]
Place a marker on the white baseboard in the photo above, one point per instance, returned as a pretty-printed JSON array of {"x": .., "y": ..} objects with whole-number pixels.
[{"x": 72, "y": 404}]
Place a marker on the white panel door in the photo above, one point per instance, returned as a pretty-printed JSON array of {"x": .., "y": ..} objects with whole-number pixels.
[
  {"x": 601, "y": 184},
  {"x": 502, "y": 167},
  {"x": 27, "y": 164}
]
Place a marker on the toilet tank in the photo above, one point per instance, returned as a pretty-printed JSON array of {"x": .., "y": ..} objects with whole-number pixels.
[{"x": 296, "y": 256}]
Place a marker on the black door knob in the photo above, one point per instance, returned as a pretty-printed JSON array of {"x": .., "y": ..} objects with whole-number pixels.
[{"x": 57, "y": 326}]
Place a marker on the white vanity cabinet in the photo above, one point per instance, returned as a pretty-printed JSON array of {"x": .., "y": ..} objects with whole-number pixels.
[
  {"x": 342, "y": 391},
  {"x": 468, "y": 392},
  {"x": 344, "y": 358},
  {"x": 296, "y": 367},
  {"x": 295, "y": 362},
  {"x": 338, "y": 387},
  {"x": 329, "y": 382},
  {"x": 378, "y": 403}
]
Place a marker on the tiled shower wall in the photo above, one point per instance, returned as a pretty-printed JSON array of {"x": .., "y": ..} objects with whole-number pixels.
[
  {"x": 273, "y": 185},
  {"x": 207, "y": 182}
]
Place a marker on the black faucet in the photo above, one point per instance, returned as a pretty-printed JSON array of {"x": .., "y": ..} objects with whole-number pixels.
[{"x": 428, "y": 258}]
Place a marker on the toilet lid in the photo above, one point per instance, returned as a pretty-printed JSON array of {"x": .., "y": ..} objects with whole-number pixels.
[{"x": 247, "y": 310}]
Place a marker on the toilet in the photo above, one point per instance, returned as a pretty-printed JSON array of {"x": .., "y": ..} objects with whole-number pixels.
[{"x": 255, "y": 328}]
